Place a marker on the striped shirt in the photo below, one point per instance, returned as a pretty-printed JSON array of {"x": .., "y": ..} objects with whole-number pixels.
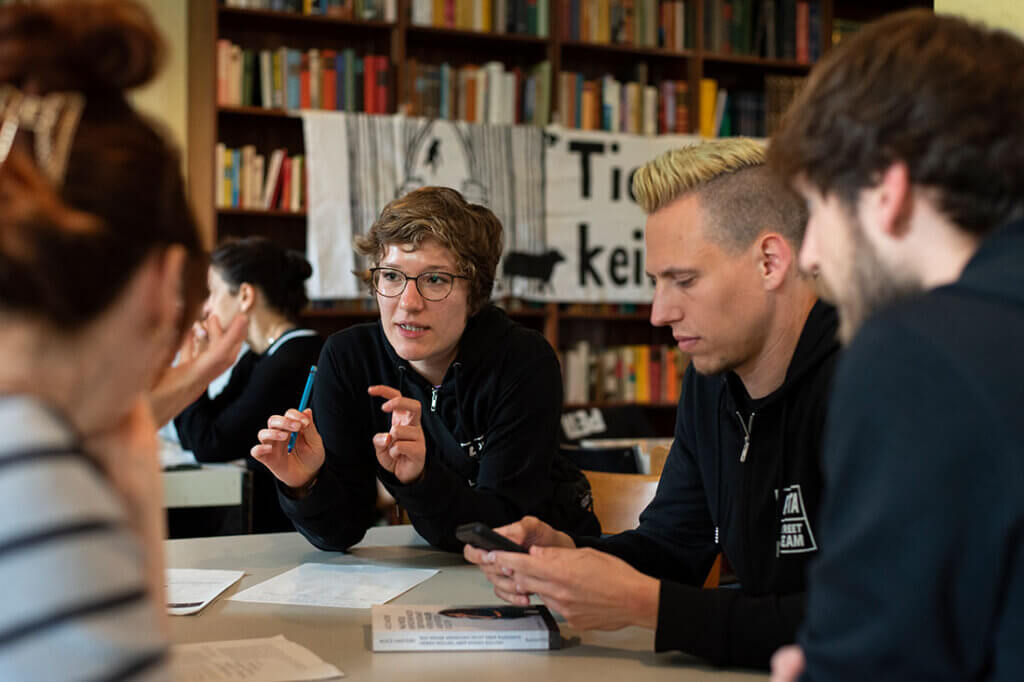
[{"x": 72, "y": 580}]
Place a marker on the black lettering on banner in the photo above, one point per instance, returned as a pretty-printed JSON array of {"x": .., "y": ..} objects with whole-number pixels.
[
  {"x": 586, "y": 256},
  {"x": 619, "y": 259},
  {"x": 585, "y": 149},
  {"x": 638, "y": 262},
  {"x": 616, "y": 179},
  {"x": 629, "y": 185}
]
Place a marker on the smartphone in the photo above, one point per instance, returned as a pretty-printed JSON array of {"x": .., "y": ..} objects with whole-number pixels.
[{"x": 482, "y": 537}]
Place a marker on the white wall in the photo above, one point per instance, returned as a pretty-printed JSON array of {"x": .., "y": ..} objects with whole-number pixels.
[
  {"x": 166, "y": 98},
  {"x": 1008, "y": 14}
]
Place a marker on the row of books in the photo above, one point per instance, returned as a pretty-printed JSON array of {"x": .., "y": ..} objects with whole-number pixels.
[
  {"x": 776, "y": 29},
  {"x": 287, "y": 78},
  {"x": 528, "y": 17},
  {"x": 633, "y": 107},
  {"x": 480, "y": 94},
  {"x": 245, "y": 179},
  {"x": 643, "y": 23},
  {"x": 636, "y": 373},
  {"x": 367, "y": 10},
  {"x": 747, "y": 113}
]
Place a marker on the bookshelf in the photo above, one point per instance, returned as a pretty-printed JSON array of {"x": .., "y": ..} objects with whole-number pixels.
[{"x": 703, "y": 50}]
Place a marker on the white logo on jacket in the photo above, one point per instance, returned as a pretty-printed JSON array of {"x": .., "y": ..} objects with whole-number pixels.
[
  {"x": 795, "y": 534},
  {"x": 474, "y": 446}
]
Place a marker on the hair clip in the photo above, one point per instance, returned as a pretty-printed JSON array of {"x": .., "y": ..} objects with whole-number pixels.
[{"x": 52, "y": 118}]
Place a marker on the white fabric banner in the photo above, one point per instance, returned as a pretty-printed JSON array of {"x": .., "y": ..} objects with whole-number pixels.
[
  {"x": 571, "y": 229},
  {"x": 593, "y": 223}
]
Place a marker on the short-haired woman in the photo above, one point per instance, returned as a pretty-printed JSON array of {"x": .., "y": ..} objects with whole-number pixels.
[
  {"x": 265, "y": 283},
  {"x": 452, "y": 405}
]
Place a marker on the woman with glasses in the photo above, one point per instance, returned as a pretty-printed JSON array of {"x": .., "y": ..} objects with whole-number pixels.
[{"x": 454, "y": 407}]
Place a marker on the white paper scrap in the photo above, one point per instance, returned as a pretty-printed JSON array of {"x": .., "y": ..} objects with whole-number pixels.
[
  {"x": 189, "y": 590},
  {"x": 272, "y": 659},
  {"x": 350, "y": 586}
]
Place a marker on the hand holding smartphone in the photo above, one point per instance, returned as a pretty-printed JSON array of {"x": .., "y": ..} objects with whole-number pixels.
[{"x": 482, "y": 537}]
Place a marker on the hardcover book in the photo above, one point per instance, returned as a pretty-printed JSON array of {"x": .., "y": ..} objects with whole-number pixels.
[{"x": 408, "y": 627}]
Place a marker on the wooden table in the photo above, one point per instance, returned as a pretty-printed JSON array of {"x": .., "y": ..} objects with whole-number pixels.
[{"x": 342, "y": 636}]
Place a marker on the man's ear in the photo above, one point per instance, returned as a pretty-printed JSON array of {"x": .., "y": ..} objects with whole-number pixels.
[
  {"x": 774, "y": 259},
  {"x": 887, "y": 205},
  {"x": 246, "y": 296}
]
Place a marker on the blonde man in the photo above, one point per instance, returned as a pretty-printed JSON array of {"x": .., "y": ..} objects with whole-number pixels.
[{"x": 743, "y": 474}]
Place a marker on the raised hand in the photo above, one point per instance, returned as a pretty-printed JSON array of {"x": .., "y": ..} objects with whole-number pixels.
[
  {"x": 298, "y": 468},
  {"x": 207, "y": 352},
  {"x": 403, "y": 449}
]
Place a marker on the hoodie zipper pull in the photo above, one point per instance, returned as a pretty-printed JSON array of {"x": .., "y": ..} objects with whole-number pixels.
[
  {"x": 747, "y": 428},
  {"x": 433, "y": 398}
]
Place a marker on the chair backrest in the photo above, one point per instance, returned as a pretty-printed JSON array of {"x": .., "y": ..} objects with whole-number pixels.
[
  {"x": 619, "y": 498},
  {"x": 659, "y": 453},
  {"x": 622, "y": 460}
]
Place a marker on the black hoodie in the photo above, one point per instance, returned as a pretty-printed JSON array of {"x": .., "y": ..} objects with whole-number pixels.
[
  {"x": 921, "y": 575},
  {"x": 757, "y": 502},
  {"x": 491, "y": 430}
]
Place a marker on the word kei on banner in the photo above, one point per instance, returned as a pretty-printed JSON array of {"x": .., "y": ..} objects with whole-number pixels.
[{"x": 594, "y": 226}]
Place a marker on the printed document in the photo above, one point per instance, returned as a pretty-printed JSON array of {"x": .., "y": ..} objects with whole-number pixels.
[
  {"x": 350, "y": 586},
  {"x": 273, "y": 659}
]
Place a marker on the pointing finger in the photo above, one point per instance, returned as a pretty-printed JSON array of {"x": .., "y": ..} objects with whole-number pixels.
[{"x": 385, "y": 392}]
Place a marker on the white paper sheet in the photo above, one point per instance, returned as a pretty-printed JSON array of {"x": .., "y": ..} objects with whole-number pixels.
[
  {"x": 189, "y": 590},
  {"x": 273, "y": 659},
  {"x": 351, "y": 586}
]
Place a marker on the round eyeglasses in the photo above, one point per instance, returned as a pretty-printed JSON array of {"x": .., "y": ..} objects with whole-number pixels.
[{"x": 433, "y": 286}]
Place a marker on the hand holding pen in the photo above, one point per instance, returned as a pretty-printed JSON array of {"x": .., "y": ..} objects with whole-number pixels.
[{"x": 291, "y": 446}]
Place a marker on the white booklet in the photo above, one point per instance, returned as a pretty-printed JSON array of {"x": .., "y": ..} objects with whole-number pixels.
[
  {"x": 352, "y": 586},
  {"x": 272, "y": 659},
  {"x": 408, "y": 627}
]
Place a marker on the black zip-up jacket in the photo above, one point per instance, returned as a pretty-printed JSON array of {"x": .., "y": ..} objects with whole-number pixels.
[
  {"x": 921, "y": 574},
  {"x": 491, "y": 432},
  {"x": 224, "y": 428},
  {"x": 756, "y": 501}
]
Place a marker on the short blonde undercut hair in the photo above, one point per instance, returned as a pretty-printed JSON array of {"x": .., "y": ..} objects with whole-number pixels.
[{"x": 738, "y": 193}]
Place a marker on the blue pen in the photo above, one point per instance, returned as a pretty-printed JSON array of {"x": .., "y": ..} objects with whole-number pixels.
[{"x": 304, "y": 402}]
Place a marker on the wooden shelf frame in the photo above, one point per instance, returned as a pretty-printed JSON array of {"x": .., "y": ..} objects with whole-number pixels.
[{"x": 207, "y": 21}]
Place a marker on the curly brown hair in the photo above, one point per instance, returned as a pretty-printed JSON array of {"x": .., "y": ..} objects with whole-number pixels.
[{"x": 470, "y": 231}]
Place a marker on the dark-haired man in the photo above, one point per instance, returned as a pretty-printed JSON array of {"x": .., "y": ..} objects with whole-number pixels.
[{"x": 906, "y": 145}]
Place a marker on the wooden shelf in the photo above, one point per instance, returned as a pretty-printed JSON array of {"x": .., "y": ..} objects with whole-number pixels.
[
  {"x": 260, "y": 212},
  {"x": 429, "y": 32},
  {"x": 757, "y": 61},
  {"x": 274, "y": 18},
  {"x": 579, "y": 45},
  {"x": 256, "y": 111},
  {"x": 406, "y": 45}
]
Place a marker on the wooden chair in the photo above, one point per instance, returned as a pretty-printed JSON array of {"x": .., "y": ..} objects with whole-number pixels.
[
  {"x": 619, "y": 499},
  {"x": 659, "y": 453}
]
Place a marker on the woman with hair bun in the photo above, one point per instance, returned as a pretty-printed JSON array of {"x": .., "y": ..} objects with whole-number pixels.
[
  {"x": 101, "y": 268},
  {"x": 256, "y": 279}
]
